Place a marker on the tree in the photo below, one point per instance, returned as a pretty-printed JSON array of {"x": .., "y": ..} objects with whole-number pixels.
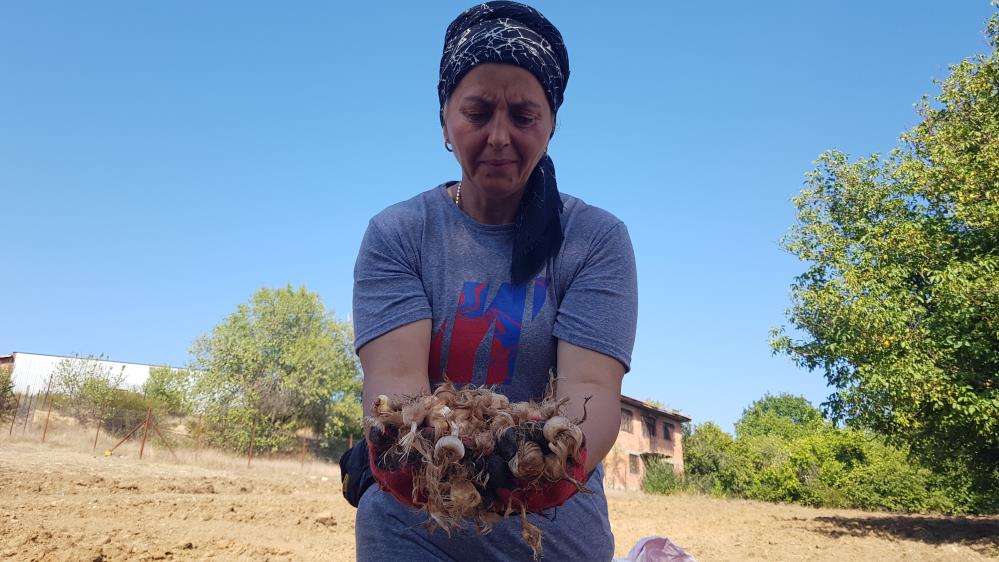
[
  {"x": 88, "y": 385},
  {"x": 785, "y": 416},
  {"x": 899, "y": 306},
  {"x": 7, "y": 400},
  {"x": 705, "y": 449},
  {"x": 283, "y": 360},
  {"x": 168, "y": 388},
  {"x": 711, "y": 458}
]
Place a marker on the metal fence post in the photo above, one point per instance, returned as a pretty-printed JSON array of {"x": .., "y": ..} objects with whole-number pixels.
[
  {"x": 253, "y": 437},
  {"x": 27, "y": 413},
  {"x": 17, "y": 406},
  {"x": 123, "y": 439},
  {"x": 145, "y": 432},
  {"x": 47, "y": 416},
  {"x": 197, "y": 435},
  {"x": 99, "y": 422}
]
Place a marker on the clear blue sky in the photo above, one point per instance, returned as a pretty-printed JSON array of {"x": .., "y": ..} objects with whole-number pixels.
[{"x": 160, "y": 161}]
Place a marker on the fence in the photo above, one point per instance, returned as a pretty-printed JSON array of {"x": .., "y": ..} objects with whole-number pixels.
[{"x": 34, "y": 414}]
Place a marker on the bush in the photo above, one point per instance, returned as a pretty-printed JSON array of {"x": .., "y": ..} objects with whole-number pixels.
[
  {"x": 87, "y": 386},
  {"x": 8, "y": 402},
  {"x": 890, "y": 480},
  {"x": 168, "y": 389},
  {"x": 232, "y": 429},
  {"x": 715, "y": 463},
  {"x": 122, "y": 411},
  {"x": 706, "y": 451},
  {"x": 849, "y": 468},
  {"x": 660, "y": 478},
  {"x": 785, "y": 454}
]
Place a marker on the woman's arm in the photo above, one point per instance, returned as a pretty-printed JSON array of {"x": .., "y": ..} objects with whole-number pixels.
[
  {"x": 395, "y": 363},
  {"x": 582, "y": 373}
]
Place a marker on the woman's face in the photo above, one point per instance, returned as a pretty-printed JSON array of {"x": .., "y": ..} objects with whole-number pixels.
[{"x": 499, "y": 123}]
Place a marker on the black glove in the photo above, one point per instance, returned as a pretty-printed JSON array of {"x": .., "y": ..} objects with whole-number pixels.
[{"x": 355, "y": 472}]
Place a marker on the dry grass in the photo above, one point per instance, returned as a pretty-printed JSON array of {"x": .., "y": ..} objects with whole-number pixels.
[
  {"x": 65, "y": 433},
  {"x": 61, "y": 501}
]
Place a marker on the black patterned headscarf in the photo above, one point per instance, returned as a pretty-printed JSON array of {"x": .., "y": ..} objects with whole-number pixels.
[{"x": 512, "y": 33}]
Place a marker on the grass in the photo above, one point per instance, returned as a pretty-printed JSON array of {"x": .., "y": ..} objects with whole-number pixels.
[{"x": 67, "y": 433}]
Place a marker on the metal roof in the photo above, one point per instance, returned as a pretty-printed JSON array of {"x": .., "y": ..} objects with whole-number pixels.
[{"x": 668, "y": 412}]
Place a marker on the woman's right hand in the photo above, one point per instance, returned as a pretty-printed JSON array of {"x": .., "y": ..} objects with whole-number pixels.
[{"x": 395, "y": 364}]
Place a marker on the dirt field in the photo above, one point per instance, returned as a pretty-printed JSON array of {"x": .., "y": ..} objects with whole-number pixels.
[{"x": 59, "y": 501}]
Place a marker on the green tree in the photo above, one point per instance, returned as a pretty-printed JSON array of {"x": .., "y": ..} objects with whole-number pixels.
[
  {"x": 899, "y": 306},
  {"x": 88, "y": 386},
  {"x": 706, "y": 449},
  {"x": 785, "y": 416},
  {"x": 7, "y": 400},
  {"x": 284, "y": 361},
  {"x": 714, "y": 463},
  {"x": 168, "y": 388}
]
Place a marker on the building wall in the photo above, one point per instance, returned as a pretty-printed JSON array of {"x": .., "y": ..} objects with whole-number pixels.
[
  {"x": 34, "y": 370},
  {"x": 625, "y": 465}
]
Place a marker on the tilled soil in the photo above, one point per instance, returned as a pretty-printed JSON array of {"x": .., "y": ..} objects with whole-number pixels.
[{"x": 62, "y": 502}]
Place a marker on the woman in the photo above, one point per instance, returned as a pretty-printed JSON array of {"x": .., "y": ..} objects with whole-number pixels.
[{"x": 498, "y": 279}]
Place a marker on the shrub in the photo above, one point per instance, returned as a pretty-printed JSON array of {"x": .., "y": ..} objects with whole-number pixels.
[
  {"x": 87, "y": 386},
  {"x": 122, "y": 411},
  {"x": 232, "y": 429},
  {"x": 706, "y": 450},
  {"x": 660, "y": 477},
  {"x": 850, "y": 468},
  {"x": 168, "y": 390},
  {"x": 7, "y": 400},
  {"x": 784, "y": 453},
  {"x": 715, "y": 462}
]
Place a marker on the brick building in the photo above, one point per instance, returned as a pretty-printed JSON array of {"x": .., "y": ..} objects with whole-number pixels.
[{"x": 646, "y": 432}]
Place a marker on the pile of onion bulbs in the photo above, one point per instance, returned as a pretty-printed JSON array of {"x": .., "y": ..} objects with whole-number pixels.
[{"x": 474, "y": 456}]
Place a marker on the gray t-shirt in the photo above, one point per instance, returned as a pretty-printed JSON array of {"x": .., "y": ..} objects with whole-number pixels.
[{"x": 425, "y": 258}]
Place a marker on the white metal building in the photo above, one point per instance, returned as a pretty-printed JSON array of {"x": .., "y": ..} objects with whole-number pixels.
[{"x": 35, "y": 369}]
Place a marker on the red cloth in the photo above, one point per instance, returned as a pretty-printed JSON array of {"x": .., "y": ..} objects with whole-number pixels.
[
  {"x": 539, "y": 499},
  {"x": 399, "y": 483}
]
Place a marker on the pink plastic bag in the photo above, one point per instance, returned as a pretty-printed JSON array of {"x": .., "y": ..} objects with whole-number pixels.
[{"x": 656, "y": 549}]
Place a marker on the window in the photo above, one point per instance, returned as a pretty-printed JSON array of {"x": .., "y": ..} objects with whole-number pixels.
[
  {"x": 633, "y": 463},
  {"x": 667, "y": 431},
  {"x": 625, "y": 420},
  {"x": 649, "y": 426}
]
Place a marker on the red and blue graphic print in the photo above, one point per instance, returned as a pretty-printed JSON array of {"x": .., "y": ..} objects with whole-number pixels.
[{"x": 501, "y": 321}]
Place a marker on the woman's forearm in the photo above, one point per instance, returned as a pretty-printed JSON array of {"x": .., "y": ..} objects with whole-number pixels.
[
  {"x": 392, "y": 384},
  {"x": 603, "y": 416},
  {"x": 395, "y": 364},
  {"x": 585, "y": 373}
]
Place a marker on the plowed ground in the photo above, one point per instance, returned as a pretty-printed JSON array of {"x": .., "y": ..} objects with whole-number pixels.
[{"x": 60, "y": 501}]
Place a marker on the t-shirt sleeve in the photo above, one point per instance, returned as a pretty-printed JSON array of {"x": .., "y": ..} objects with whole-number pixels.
[
  {"x": 599, "y": 310},
  {"x": 388, "y": 290}
]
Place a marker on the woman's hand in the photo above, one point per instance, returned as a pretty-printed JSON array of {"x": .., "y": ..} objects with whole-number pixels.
[
  {"x": 396, "y": 363},
  {"x": 582, "y": 373}
]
